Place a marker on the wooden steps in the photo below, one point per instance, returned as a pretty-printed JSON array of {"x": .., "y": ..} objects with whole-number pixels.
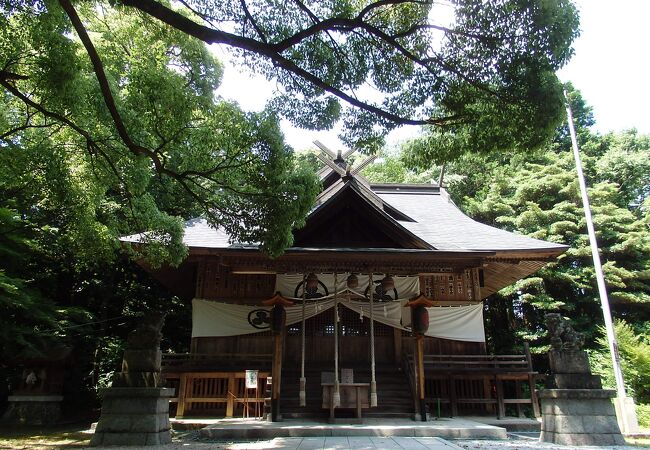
[{"x": 394, "y": 397}]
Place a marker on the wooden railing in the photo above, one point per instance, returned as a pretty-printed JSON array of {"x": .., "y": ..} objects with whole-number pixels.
[
  {"x": 481, "y": 363},
  {"x": 479, "y": 380},
  {"x": 216, "y": 393}
]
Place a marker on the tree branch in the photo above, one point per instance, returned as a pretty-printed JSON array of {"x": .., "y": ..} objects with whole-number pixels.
[
  {"x": 107, "y": 94},
  {"x": 5, "y": 75},
  {"x": 28, "y": 101},
  {"x": 270, "y": 51},
  {"x": 250, "y": 18}
]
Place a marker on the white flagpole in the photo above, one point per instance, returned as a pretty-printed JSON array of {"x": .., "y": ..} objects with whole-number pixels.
[{"x": 600, "y": 279}]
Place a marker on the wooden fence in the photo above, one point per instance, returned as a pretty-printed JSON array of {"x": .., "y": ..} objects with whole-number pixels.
[
  {"x": 216, "y": 393},
  {"x": 479, "y": 382}
]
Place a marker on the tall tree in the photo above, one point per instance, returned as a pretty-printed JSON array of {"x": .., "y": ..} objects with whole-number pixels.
[
  {"x": 118, "y": 142},
  {"x": 537, "y": 194},
  {"x": 123, "y": 94},
  {"x": 69, "y": 183}
]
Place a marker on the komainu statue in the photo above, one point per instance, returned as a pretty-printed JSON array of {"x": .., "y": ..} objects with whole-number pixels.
[
  {"x": 142, "y": 357},
  {"x": 147, "y": 334},
  {"x": 135, "y": 409},
  {"x": 562, "y": 334},
  {"x": 576, "y": 410}
]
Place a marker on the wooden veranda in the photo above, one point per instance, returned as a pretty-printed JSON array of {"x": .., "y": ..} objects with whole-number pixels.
[{"x": 455, "y": 385}]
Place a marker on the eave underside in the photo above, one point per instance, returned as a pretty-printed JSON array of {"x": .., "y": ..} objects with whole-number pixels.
[
  {"x": 499, "y": 271},
  {"x": 398, "y": 262}
]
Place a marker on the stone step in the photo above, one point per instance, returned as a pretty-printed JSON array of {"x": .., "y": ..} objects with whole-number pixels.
[{"x": 450, "y": 428}]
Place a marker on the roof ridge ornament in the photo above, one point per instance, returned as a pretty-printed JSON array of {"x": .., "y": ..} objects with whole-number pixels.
[{"x": 337, "y": 160}]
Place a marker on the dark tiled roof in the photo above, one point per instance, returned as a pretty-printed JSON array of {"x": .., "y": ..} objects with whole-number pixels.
[
  {"x": 198, "y": 233},
  {"x": 439, "y": 222},
  {"x": 436, "y": 220}
]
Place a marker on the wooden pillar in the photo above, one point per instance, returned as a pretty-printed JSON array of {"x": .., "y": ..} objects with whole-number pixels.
[
  {"x": 278, "y": 322},
  {"x": 276, "y": 373},
  {"x": 501, "y": 407},
  {"x": 182, "y": 388},
  {"x": 420, "y": 325},
  {"x": 487, "y": 394},
  {"x": 531, "y": 382},
  {"x": 232, "y": 395},
  {"x": 419, "y": 356}
]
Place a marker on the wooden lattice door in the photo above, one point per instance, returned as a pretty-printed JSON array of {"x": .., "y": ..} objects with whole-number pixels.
[{"x": 354, "y": 340}]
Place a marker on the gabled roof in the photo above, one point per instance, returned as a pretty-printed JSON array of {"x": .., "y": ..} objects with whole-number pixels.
[
  {"x": 423, "y": 213},
  {"x": 349, "y": 214},
  {"x": 414, "y": 221}
]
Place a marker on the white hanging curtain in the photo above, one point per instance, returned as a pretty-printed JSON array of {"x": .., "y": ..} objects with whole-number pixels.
[
  {"x": 290, "y": 286},
  {"x": 461, "y": 323}
]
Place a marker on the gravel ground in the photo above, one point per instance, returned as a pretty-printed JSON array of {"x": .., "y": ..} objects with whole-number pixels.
[{"x": 526, "y": 441}]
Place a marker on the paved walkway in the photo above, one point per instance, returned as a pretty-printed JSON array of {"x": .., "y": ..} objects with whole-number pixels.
[
  {"x": 516, "y": 441},
  {"x": 347, "y": 442},
  {"x": 447, "y": 428}
]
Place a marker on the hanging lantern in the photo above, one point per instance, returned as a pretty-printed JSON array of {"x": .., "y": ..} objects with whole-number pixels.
[
  {"x": 387, "y": 284},
  {"x": 312, "y": 282},
  {"x": 419, "y": 313},
  {"x": 353, "y": 281},
  {"x": 278, "y": 318},
  {"x": 420, "y": 319}
]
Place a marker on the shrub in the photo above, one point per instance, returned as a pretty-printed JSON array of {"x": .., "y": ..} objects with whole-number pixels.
[
  {"x": 634, "y": 351},
  {"x": 643, "y": 414}
]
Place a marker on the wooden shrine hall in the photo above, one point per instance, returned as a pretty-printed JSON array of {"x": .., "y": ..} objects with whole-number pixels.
[{"x": 375, "y": 311}]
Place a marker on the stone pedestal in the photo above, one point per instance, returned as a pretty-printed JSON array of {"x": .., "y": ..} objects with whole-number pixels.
[
  {"x": 579, "y": 417},
  {"x": 37, "y": 409},
  {"x": 134, "y": 416},
  {"x": 576, "y": 410}
]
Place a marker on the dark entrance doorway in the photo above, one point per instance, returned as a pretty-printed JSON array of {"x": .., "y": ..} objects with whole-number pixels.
[{"x": 354, "y": 340}]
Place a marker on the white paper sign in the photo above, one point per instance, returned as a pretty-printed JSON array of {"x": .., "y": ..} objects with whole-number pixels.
[{"x": 251, "y": 379}]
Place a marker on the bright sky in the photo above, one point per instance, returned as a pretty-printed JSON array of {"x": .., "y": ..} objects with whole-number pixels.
[{"x": 610, "y": 67}]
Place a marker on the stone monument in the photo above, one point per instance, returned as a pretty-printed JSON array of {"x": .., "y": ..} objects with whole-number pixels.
[
  {"x": 38, "y": 396},
  {"x": 135, "y": 410},
  {"x": 575, "y": 408}
]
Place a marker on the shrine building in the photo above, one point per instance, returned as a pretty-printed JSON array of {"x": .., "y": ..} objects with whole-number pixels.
[{"x": 375, "y": 311}]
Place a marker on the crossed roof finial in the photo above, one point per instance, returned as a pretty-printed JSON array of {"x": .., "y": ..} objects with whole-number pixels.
[{"x": 337, "y": 161}]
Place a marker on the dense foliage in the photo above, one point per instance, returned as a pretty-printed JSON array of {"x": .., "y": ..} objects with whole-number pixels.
[
  {"x": 483, "y": 72},
  {"x": 537, "y": 194},
  {"x": 109, "y": 125},
  {"x": 134, "y": 138},
  {"x": 634, "y": 349}
]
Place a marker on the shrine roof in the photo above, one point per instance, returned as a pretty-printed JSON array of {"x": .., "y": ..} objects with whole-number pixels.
[
  {"x": 423, "y": 211},
  {"x": 440, "y": 223},
  {"x": 405, "y": 227}
]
